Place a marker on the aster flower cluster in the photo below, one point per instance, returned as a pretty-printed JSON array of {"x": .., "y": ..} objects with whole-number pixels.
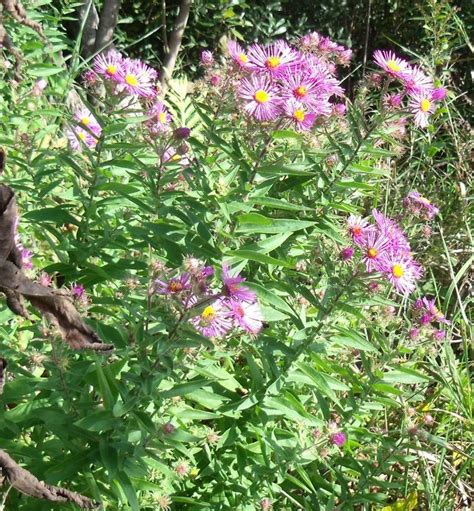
[
  {"x": 417, "y": 87},
  {"x": 427, "y": 315},
  {"x": 420, "y": 206},
  {"x": 278, "y": 82},
  {"x": 324, "y": 48},
  {"x": 26, "y": 255},
  {"x": 213, "y": 311},
  {"x": 385, "y": 249},
  {"x": 129, "y": 77}
]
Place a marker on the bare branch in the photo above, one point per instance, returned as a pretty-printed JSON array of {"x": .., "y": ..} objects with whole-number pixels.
[
  {"x": 175, "y": 41},
  {"x": 107, "y": 24},
  {"x": 27, "y": 483}
]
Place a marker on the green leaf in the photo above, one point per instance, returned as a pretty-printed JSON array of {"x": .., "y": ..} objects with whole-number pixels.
[
  {"x": 256, "y": 223},
  {"x": 258, "y": 257}
]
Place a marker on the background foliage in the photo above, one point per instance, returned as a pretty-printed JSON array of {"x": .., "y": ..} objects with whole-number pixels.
[{"x": 243, "y": 412}]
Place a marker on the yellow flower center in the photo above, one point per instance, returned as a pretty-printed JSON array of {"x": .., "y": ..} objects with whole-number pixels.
[
  {"x": 176, "y": 157},
  {"x": 356, "y": 231},
  {"x": 86, "y": 121},
  {"x": 372, "y": 252},
  {"x": 175, "y": 286},
  {"x": 272, "y": 62},
  {"x": 301, "y": 91},
  {"x": 424, "y": 200},
  {"x": 437, "y": 312},
  {"x": 425, "y": 105},
  {"x": 162, "y": 117},
  {"x": 131, "y": 80},
  {"x": 393, "y": 66},
  {"x": 208, "y": 313},
  {"x": 261, "y": 96},
  {"x": 299, "y": 115},
  {"x": 243, "y": 58},
  {"x": 111, "y": 69},
  {"x": 397, "y": 271},
  {"x": 82, "y": 136}
]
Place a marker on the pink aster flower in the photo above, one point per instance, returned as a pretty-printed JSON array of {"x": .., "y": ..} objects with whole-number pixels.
[
  {"x": 261, "y": 98},
  {"x": 389, "y": 228},
  {"x": 87, "y": 120},
  {"x": 420, "y": 206},
  {"x": 374, "y": 247},
  {"x": 39, "y": 87},
  {"x": 45, "y": 279},
  {"x": 416, "y": 81},
  {"x": 26, "y": 258},
  {"x": 213, "y": 321},
  {"x": 392, "y": 100},
  {"x": 390, "y": 63},
  {"x": 358, "y": 228},
  {"x": 109, "y": 65},
  {"x": 78, "y": 137},
  {"x": 307, "y": 89},
  {"x": 246, "y": 315},
  {"x": 173, "y": 286},
  {"x": 299, "y": 115},
  {"x": 173, "y": 156},
  {"x": 79, "y": 293},
  {"x": 402, "y": 272},
  {"x": 238, "y": 54},
  {"x": 272, "y": 59},
  {"x": 137, "y": 79},
  {"x": 159, "y": 120},
  {"x": 232, "y": 286},
  {"x": 422, "y": 108}
]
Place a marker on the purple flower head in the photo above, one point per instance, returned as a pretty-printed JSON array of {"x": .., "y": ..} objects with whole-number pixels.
[
  {"x": 428, "y": 311},
  {"x": 215, "y": 80},
  {"x": 338, "y": 438},
  {"x": 109, "y": 65},
  {"x": 213, "y": 321},
  {"x": 39, "y": 87},
  {"x": 238, "y": 54},
  {"x": 174, "y": 285},
  {"x": 89, "y": 77},
  {"x": 420, "y": 206},
  {"x": 439, "y": 335},
  {"x": 45, "y": 279},
  {"x": 390, "y": 229},
  {"x": 414, "y": 333},
  {"x": 79, "y": 293},
  {"x": 438, "y": 94},
  {"x": 300, "y": 117},
  {"x": 272, "y": 59},
  {"x": 232, "y": 287},
  {"x": 261, "y": 98},
  {"x": 246, "y": 315},
  {"x": 392, "y": 100},
  {"x": 346, "y": 253},
  {"x": 137, "y": 79},
  {"x": 206, "y": 58},
  {"x": 339, "y": 109},
  {"x": 26, "y": 261},
  {"x": 182, "y": 133}
]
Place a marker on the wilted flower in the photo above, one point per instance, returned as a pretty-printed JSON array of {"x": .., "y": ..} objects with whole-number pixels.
[
  {"x": 246, "y": 315},
  {"x": 232, "y": 287},
  {"x": 346, "y": 253},
  {"x": 45, "y": 279},
  {"x": 173, "y": 286},
  {"x": 39, "y": 87},
  {"x": 206, "y": 58}
]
